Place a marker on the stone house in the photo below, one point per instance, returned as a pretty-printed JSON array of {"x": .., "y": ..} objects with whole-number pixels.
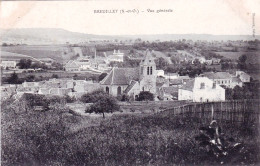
[
  {"x": 201, "y": 89},
  {"x": 244, "y": 77}
]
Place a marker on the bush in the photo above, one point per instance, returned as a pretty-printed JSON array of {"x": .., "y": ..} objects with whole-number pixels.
[
  {"x": 145, "y": 96},
  {"x": 32, "y": 137},
  {"x": 102, "y": 102},
  {"x": 92, "y": 97},
  {"x": 123, "y": 97}
]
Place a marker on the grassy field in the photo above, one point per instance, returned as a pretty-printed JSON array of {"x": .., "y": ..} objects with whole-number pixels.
[
  {"x": 59, "y": 137},
  {"x": 60, "y": 74},
  {"x": 59, "y": 53},
  {"x": 252, "y": 57}
]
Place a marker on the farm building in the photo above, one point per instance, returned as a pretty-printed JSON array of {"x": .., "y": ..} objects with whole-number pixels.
[
  {"x": 201, "y": 89},
  {"x": 244, "y": 77},
  {"x": 8, "y": 64},
  {"x": 168, "y": 93},
  {"x": 117, "y": 56},
  {"x": 223, "y": 78}
]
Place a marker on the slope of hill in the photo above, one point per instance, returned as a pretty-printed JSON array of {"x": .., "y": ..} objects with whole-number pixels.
[
  {"x": 58, "y": 53},
  {"x": 15, "y": 57},
  {"x": 36, "y": 36}
]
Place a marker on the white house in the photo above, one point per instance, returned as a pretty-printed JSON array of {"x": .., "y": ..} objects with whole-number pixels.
[
  {"x": 223, "y": 78},
  {"x": 117, "y": 56},
  {"x": 8, "y": 64},
  {"x": 244, "y": 77},
  {"x": 160, "y": 73},
  {"x": 78, "y": 65},
  {"x": 201, "y": 89},
  {"x": 171, "y": 76}
]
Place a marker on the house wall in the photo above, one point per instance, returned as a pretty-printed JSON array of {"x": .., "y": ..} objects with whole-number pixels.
[
  {"x": 185, "y": 94},
  {"x": 233, "y": 84},
  {"x": 208, "y": 92},
  {"x": 9, "y": 64},
  {"x": 226, "y": 82}
]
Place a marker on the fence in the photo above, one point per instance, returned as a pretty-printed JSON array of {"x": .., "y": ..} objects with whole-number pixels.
[{"x": 246, "y": 111}]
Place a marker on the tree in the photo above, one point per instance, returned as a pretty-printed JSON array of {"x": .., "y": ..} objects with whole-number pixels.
[
  {"x": 4, "y": 44},
  {"x": 92, "y": 97},
  {"x": 145, "y": 96},
  {"x": 161, "y": 63},
  {"x": 30, "y": 78},
  {"x": 13, "y": 79},
  {"x": 75, "y": 76},
  {"x": 104, "y": 104},
  {"x": 241, "y": 64},
  {"x": 24, "y": 63},
  {"x": 57, "y": 66},
  {"x": 55, "y": 76},
  {"x": 38, "y": 65}
]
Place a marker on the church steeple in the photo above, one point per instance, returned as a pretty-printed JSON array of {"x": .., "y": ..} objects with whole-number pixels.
[{"x": 147, "y": 65}]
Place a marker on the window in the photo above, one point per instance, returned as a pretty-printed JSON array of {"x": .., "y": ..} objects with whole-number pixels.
[
  {"x": 142, "y": 70},
  {"x": 214, "y": 86},
  {"x": 151, "y": 70},
  {"x": 147, "y": 70},
  {"x": 143, "y": 88},
  {"x": 202, "y": 85},
  {"x": 119, "y": 90},
  {"x": 107, "y": 89}
]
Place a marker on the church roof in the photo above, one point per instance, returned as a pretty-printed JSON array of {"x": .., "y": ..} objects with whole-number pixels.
[
  {"x": 148, "y": 59},
  {"x": 121, "y": 76},
  {"x": 130, "y": 86}
]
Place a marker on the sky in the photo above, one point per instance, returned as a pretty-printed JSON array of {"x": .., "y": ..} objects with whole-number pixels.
[{"x": 218, "y": 17}]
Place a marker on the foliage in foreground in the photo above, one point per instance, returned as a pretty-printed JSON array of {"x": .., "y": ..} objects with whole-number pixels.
[
  {"x": 218, "y": 147},
  {"x": 44, "y": 138}
]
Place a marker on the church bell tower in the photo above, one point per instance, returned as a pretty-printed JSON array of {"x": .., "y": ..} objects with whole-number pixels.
[{"x": 148, "y": 73}]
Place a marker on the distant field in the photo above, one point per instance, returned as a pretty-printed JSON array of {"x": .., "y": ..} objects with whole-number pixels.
[
  {"x": 60, "y": 74},
  {"x": 15, "y": 56},
  {"x": 252, "y": 57},
  {"x": 58, "y": 53}
]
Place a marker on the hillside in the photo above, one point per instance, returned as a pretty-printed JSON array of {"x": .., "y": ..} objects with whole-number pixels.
[{"x": 36, "y": 36}]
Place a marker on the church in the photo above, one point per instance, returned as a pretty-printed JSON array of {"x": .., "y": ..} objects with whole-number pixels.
[{"x": 131, "y": 81}]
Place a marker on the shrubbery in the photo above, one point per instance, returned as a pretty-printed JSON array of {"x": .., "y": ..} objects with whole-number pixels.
[
  {"x": 92, "y": 97},
  {"x": 145, "y": 96},
  {"x": 102, "y": 102}
]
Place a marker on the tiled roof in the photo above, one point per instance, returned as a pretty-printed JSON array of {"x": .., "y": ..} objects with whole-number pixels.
[
  {"x": 184, "y": 77},
  {"x": 130, "y": 86},
  {"x": 236, "y": 79},
  {"x": 121, "y": 76},
  {"x": 159, "y": 84},
  {"x": 170, "y": 90},
  {"x": 217, "y": 75},
  {"x": 176, "y": 81},
  {"x": 189, "y": 85},
  {"x": 72, "y": 64}
]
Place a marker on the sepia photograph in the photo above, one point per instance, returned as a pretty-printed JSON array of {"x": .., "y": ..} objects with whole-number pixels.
[{"x": 129, "y": 83}]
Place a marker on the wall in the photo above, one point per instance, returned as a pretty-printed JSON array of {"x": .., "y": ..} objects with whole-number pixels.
[
  {"x": 208, "y": 93},
  {"x": 185, "y": 94}
]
